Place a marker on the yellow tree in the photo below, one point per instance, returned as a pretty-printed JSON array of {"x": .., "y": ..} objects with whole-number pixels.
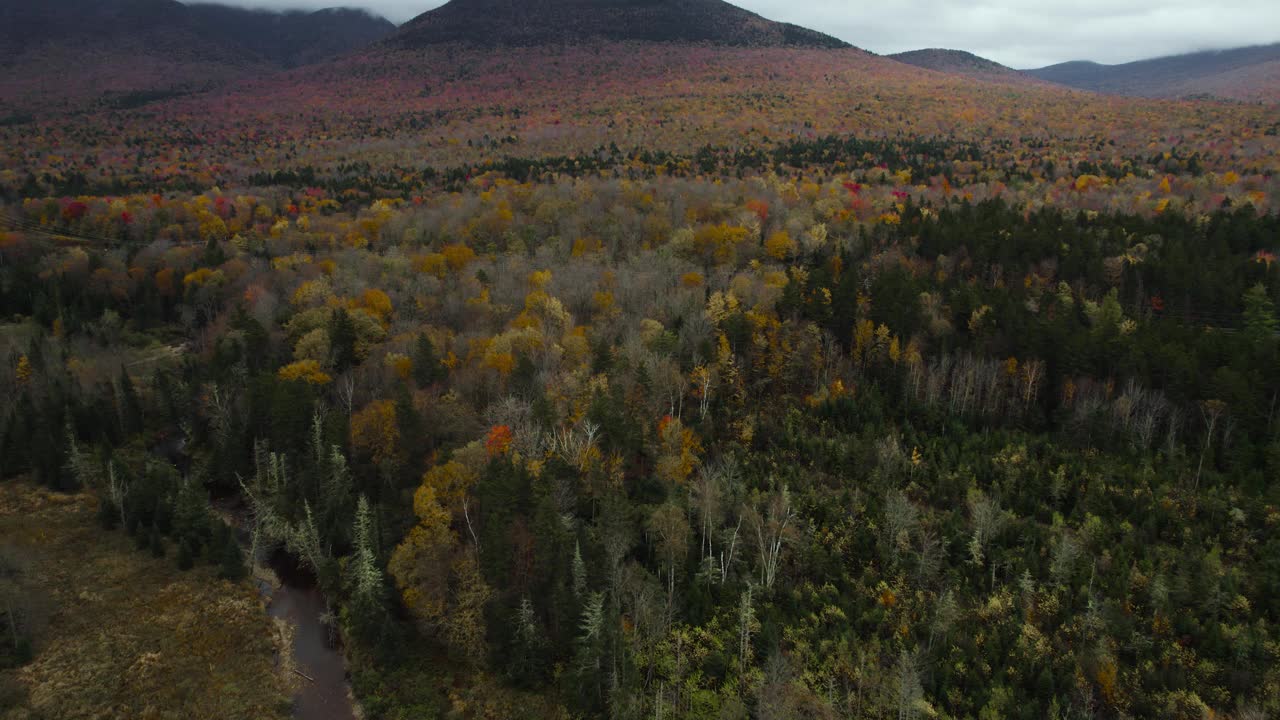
[
  {"x": 780, "y": 245},
  {"x": 438, "y": 578},
  {"x": 679, "y": 450},
  {"x": 421, "y": 563},
  {"x": 374, "y": 429},
  {"x": 305, "y": 370},
  {"x": 24, "y": 370}
]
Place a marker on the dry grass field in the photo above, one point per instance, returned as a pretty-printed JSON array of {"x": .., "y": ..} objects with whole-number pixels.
[{"x": 121, "y": 634}]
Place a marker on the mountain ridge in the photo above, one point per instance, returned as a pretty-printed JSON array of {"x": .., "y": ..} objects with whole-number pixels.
[
  {"x": 1248, "y": 73},
  {"x": 551, "y": 22},
  {"x": 72, "y": 54},
  {"x": 291, "y": 38},
  {"x": 962, "y": 62}
]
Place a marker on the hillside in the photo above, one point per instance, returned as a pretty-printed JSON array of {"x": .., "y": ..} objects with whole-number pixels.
[
  {"x": 293, "y": 37},
  {"x": 1249, "y": 74},
  {"x": 66, "y": 55},
  {"x": 959, "y": 62},
  {"x": 542, "y": 22}
]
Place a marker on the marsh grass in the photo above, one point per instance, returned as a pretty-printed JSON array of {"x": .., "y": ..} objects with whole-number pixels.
[{"x": 129, "y": 635}]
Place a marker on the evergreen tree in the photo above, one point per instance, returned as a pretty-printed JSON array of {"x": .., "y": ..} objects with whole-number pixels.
[
  {"x": 342, "y": 340},
  {"x": 525, "y": 664},
  {"x": 1260, "y": 324},
  {"x": 366, "y": 613},
  {"x": 231, "y": 559},
  {"x": 130, "y": 405},
  {"x": 412, "y": 446},
  {"x": 190, "y": 514},
  {"x": 427, "y": 369}
]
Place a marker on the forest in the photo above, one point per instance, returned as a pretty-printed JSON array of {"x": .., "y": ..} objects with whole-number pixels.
[{"x": 795, "y": 422}]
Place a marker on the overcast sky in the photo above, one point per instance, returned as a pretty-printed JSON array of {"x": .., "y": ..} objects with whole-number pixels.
[{"x": 1019, "y": 33}]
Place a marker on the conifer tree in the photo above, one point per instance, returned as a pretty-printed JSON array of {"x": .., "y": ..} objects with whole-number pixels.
[
  {"x": 231, "y": 565},
  {"x": 1260, "y": 323},
  {"x": 130, "y": 405},
  {"x": 366, "y": 613},
  {"x": 427, "y": 369}
]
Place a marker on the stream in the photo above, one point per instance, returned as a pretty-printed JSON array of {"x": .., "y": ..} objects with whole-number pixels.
[
  {"x": 323, "y": 693},
  {"x": 324, "y": 696}
]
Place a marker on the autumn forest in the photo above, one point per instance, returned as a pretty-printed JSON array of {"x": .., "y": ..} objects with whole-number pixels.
[{"x": 637, "y": 380}]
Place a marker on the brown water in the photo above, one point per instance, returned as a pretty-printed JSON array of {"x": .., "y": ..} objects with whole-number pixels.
[
  {"x": 324, "y": 696},
  {"x": 297, "y": 599}
]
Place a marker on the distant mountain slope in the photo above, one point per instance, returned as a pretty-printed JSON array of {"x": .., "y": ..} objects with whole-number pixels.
[
  {"x": 293, "y": 37},
  {"x": 61, "y": 55},
  {"x": 64, "y": 54},
  {"x": 31, "y": 24},
  {"x": 1250, "y": 73},
  {"x": 546, "y": 22},
  {"x": 959, "y": 62}
]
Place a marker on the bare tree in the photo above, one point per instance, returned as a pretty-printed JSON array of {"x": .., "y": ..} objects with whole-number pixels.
[
  {"x": 1211, "y": 411},
  {"x": 706, "y": 498},
  {"x": 987, "y": 520},
  {"x": 669, "y": 528},
  {"x": 772, "y": 530}
]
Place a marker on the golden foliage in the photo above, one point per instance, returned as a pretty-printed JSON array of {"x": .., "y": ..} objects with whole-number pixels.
[
  {"x": 679, "y": 451},
  {"x": 400, "y": 363},
  {"x": 457, "y": 256},
  {"x": 375, "y": 430},
  {"x": 305, "y": 370},
  {"x": 377, "y": 303},
  {"x": 447, "y": 484},
  {"x": 420, "y": 562},
  {"x": 719, "y": 242},
  {"x": 23, "y": 371},
  {"x": 780, "y": 245}
]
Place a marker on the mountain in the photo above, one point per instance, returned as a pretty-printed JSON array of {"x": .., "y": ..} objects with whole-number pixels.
[
  {"x": 525, "y": 23},
  {"x": 62, "y": 55},
  {"x": 959, "y": 62},
  {"x": 293, "y": 37},
  {"x": 1248, "y": 73},
  {"x": 28, "y": 25},
  {"x": 66, "y": 55}
]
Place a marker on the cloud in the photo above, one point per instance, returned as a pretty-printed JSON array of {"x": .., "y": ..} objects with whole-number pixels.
[{"x": 1018, "y": 33}]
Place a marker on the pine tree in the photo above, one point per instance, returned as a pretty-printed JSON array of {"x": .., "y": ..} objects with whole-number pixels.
[
  {"x": 190, "y": 513},
  {"x": 746, "y": 626},
  {"x": 231, "y": 559},
  {"x": 130, "y": 405},
  {"x": 579, "y": 573},
  {"x": 427, "y": 369},
  {"x": 525, "y": 666},
  {"x": 1260, "y": 323},
  {"x": 366, "y": 615},
  {"x": 342, "y": 340},
  {"x": 48, "y": 461}
]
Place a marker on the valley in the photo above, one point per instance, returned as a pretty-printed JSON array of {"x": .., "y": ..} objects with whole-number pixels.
[{"x": 590, "y": 358}]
